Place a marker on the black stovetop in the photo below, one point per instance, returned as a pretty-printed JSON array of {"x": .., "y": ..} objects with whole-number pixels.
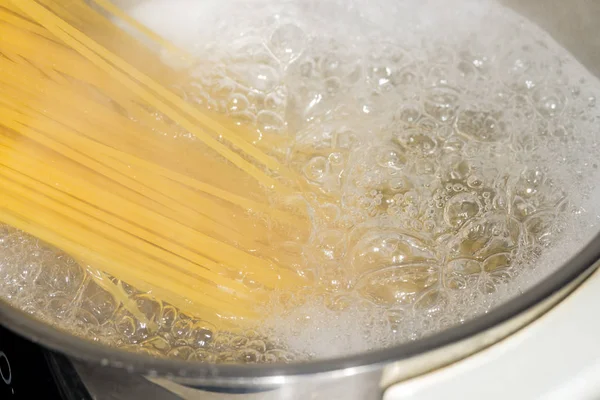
[{"x": 28, "y": 371}]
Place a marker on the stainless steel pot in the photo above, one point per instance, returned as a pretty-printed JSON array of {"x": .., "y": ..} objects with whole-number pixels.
[{"x": 364, "y": 376}]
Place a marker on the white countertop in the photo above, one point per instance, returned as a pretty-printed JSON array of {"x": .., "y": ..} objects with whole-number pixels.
[{"x": 556, "y": 357}]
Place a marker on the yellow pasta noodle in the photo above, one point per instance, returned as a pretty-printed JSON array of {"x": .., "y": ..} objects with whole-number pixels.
[{"x": 84, "y": 167}]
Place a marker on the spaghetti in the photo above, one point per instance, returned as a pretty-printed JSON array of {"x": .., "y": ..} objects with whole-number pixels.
[{"x": 83, "y": 168}]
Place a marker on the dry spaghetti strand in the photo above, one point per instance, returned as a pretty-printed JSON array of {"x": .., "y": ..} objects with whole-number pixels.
[
  {"x": 152, "y": 92},
  {"x": 83, "y": 167}
]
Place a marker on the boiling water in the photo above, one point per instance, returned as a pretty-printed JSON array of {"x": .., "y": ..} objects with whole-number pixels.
[{"x": 458, "y": 143}]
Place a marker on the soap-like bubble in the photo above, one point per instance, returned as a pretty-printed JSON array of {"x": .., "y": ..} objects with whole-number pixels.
[{"x": 287, "y": 42}]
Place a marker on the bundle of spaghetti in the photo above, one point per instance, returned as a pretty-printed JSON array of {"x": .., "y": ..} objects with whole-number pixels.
[
  {"x": 141, "y": 115},
  {"x": 114, "y": 87},
  {"x": 18, "y": 90},
  {"x": 161, "y": 184},
  {"x": 60, "y": 58},
  {"x": 86, "y": 165},
  {"x": 142, "y": 141},
  {"x": 159, "y": 97}
]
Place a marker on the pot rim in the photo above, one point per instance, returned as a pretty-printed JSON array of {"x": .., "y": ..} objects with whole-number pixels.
[{"x": 89, "y": 351}]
